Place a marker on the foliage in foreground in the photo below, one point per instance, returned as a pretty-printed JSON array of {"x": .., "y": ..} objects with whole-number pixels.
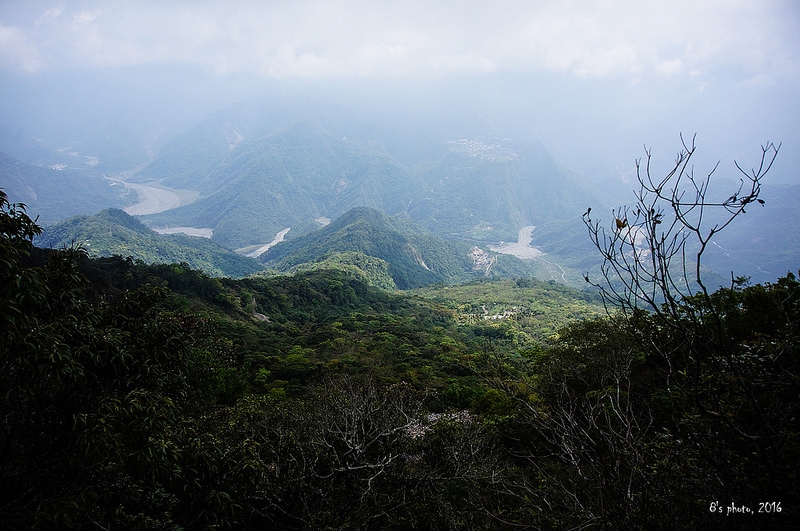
[{"x": 156, "y": 397}]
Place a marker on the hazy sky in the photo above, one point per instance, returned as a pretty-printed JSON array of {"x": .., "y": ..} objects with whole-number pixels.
[
  {"x": 638, "y": 41},
  {"x": 723, "y": 68}
]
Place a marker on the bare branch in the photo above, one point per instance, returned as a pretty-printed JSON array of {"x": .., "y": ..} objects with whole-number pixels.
[{"x": 645, "y": 253}]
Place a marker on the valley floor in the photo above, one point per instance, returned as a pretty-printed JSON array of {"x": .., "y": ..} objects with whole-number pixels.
[
  {"x": 522, "y": 248},
  {"x": 155, "y": 199}
]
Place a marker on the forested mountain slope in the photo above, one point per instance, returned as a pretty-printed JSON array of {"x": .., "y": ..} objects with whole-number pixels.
[
  {"x": 58, "y": 191},
  {"x": 256, "y": 178},
  {"x": 289, "y": 178},
  {"x": 113, "y": 232},
  {"x": 159, "y": 397},
  {"x": 414, "y": 256}
]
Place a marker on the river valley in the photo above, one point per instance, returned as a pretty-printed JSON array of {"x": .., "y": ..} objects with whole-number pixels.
[{"x": 155, "y": 198}]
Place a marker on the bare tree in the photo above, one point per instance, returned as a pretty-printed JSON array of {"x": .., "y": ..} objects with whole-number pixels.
[
  {"x": 647, "y": 250},
  {"x": 652, "y": 272}
]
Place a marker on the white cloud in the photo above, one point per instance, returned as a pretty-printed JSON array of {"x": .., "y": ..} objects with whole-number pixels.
[
  {"x": 670, "y": 66},
  {"x": 471, "y": 63},
  {"x": 18, "y": 51},
  {"x": 760, "y": 80},
  {"x": 316, "y": 38},
  {"x": 85, "y": 17},
  {"x": 53, "y": 12}
]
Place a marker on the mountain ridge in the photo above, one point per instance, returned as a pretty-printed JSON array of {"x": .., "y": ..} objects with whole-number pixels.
[
  {"x": 290, "y": 171},
  {"x": 113, "y": 232},
  {"x": 415, "y": 257}
]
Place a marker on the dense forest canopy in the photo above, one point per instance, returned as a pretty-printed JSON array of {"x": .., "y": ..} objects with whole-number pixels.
[{"x": 157, "y": 397}]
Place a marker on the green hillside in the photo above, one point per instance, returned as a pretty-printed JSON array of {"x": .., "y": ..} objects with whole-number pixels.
[
  {"x": 369, "y": 269},
  {"x": 113, "y": 232},
  {"x": 537, "y": 309},
  {"x": 414, "y": 256}
]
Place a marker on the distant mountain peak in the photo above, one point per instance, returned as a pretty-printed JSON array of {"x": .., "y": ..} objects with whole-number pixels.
[
  {"x": 122, "y": 218},
  {"x": 414, "y": 256}
]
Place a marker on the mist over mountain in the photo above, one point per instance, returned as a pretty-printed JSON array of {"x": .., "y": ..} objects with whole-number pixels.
[
  {"x": 246, "y": 120},
  {"x": 256, "y": 183},
  {"x": 763, "y": 244},
  {"x": 399, "y": 265},
  {"x": 53, "y": 188},
  {"x": 255, "y": 170}
]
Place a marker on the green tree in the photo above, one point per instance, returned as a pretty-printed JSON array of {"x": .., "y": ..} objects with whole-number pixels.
[{"x": 98, "y": 399}]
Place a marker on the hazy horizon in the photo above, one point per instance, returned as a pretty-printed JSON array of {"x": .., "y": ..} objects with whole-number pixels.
[{"x": 593, "y": 82}]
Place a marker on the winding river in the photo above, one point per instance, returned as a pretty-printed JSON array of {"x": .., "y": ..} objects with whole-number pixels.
[
  {"x": 153, "y": 199},
  {"x": 264, "y": 248},
  {"x": 521, "y": 249}
]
